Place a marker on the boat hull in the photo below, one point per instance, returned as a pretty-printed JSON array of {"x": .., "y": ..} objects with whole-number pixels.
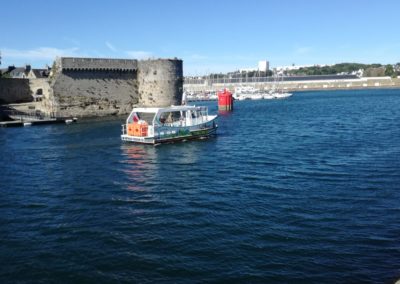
[{"x": 183, "y": 135}]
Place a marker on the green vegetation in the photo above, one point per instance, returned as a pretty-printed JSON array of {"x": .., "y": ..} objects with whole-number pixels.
[
  {"x": 238, "y": 74},
  {"x": 367, "y": 70},
  {"x": 346, "y": 68},
  {"x": 389, "y": 71},
  {"x": 5, "y": 75},
  {"x": 53, "y": 70},
  {"x": 370, "y": 70},
  {"x": 374, "y": 72}
]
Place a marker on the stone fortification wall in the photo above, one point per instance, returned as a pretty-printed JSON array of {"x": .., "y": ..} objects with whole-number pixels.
[
  {"x": 99, "y": 87},
  {"x": 39, "y": 86},
  {"x": 92, "y": 92},
  {"x": 15, "y": 91},
  {"x": 160, "y": 82}
]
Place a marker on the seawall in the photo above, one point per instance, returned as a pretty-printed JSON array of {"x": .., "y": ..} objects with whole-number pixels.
[{"x": 343, "y": 84}]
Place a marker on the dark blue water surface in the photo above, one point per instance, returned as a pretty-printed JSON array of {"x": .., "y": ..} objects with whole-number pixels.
[{"x": 299, "y": 190}]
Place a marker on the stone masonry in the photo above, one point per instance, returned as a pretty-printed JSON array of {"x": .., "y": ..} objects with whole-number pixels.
[
  {"x": 160, "y": 82},
  {"x": 14, "y": 91}
]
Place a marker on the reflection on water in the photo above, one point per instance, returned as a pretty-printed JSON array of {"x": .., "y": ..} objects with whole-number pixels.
[
  {"x": 140, "y": 161},
  {"x": 147, "y": 167}
]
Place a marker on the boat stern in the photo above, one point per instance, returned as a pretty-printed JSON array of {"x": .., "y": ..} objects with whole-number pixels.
[{"x": 137, "y": 139}]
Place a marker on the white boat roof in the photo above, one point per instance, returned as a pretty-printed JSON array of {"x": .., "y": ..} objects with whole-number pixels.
[{"x": 164, "y": 109}]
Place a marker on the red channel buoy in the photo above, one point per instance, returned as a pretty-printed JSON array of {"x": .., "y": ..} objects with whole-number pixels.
[{"x": 225, "y": 100}]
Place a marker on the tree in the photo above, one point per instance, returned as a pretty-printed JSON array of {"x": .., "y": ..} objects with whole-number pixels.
[
  {"x": 374, "y": 72},
  {"x": 389, "y": 71},
  {"x": 5, "y": 75}
]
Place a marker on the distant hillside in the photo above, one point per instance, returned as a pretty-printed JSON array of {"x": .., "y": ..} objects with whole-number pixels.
[{"x": 367, "y": 70}]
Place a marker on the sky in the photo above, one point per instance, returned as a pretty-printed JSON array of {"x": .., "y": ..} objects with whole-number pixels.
[{"x": 210, "y": 36}]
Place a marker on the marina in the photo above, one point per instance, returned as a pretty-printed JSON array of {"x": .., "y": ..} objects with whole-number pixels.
[
  {"x": 240, "y": 93},
  {"x": 251, "y": 93}
]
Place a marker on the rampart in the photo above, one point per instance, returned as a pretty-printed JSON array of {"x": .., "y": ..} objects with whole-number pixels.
[
  {"x": 98, "y": 87},
  {"x": 75, "y": 63}
]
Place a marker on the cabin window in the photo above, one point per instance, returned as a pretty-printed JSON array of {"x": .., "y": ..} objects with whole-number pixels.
[
  {"x": 146, "y": 116},
  {"x": 170, "y": 117}
]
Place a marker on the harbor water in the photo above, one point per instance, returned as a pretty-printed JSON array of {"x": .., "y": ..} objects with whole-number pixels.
[{"x": 303, "y": 190}]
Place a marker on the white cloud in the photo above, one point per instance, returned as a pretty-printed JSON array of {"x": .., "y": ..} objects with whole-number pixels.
[
  {"x": 303, "y": 50},
  {"x": 110, "y": 46},
  {"x": 41, "y": 53},
  {"x": 139, "y": 54}
]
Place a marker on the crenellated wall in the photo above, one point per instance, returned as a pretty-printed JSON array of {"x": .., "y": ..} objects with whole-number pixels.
[{"x": 97, "y": 64}]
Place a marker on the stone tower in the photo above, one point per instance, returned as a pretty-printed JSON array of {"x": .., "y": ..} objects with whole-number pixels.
[{"x": 160, "y": 82}]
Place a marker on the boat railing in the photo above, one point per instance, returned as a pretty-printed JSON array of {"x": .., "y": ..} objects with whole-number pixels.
[
  {"x": 150, "y": 130},
  {"x": 123, "y": 129}
]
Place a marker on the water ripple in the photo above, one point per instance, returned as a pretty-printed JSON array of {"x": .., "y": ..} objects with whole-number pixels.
[{"x": 299, "y": 190}]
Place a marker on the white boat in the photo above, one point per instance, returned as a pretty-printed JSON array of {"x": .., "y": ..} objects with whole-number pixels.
[
  {"x": 282, "y": 95},
  {"x": 268, "y": 96},
  {"x": 240, "y": 97},
  {"x": 276, "y": 91},
  {"x": 256, "y": 96},
  {"x": 247, "y": 93},
  {"x": 169, "y": 124},
  {"x": 213, "y": 96}
]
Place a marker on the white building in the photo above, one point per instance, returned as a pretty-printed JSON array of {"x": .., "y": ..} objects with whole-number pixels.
[{"x": 263, "y": 66}]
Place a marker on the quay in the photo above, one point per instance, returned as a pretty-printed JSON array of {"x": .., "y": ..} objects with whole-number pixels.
[
  {"x": 27, "y": 114},
  {"x": 21, "y": 123},
  {"x": 291, "y": 84}
]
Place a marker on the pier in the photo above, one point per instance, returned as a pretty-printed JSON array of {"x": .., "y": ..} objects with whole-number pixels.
[
  {"x": 21, "y": 123},
  {"x": 18, "y": 118}
]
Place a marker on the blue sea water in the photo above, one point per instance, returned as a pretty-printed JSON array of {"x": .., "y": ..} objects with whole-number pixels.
[{"x": 303, "y": 190}]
